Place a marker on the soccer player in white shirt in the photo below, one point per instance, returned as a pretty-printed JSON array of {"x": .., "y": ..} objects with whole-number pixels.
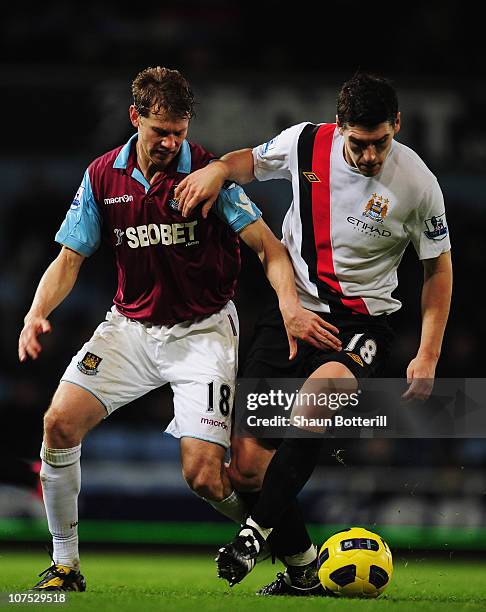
[{"x": 359, "y": 198}]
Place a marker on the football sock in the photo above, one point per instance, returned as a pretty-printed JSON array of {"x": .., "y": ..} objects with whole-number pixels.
[
  {"x": 288, "y": 471},
  {"x": 232, "y": 506},
  {"x": 304, "y": 558},
  {"x": 61, "y": 482},
  {"x": 290, "y": 536},
  {"x": 264, "y": 533}
]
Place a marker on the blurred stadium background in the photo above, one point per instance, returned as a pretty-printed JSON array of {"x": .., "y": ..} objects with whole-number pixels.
[{"x": 65, "y": 87}]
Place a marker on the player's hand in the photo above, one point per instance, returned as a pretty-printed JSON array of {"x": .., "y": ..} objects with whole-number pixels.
[
  {"x": 202, "y": 185},
  {"x": 308, "y": 326},
  {"x": 29, "y": 345},
  {"x": 420, "y": 377}
]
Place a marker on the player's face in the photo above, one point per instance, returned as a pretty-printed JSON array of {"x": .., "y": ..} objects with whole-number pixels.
[
  {"x": 366, "y": 148},
  {"x": 160, "y": 136}
]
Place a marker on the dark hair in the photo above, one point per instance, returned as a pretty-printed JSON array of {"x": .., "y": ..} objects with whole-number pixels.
[
  {"x": 367, "y": 100},
  {"x": 161, "y": 89}
]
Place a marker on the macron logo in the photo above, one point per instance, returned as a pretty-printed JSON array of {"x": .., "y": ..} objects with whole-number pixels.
[{"x": 119, "y": 199}]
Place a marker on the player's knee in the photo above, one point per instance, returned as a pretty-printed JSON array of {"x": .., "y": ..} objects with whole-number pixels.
[
  {"x": 206, "y": 482},
  {"x": 59, "y": 432}
]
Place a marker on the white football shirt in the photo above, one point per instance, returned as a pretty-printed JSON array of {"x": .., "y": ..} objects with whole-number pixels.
[{"x": 346, "y": 233}]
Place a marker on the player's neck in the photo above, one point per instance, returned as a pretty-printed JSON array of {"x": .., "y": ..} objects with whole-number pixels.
[{"x": 147, "y": 167}]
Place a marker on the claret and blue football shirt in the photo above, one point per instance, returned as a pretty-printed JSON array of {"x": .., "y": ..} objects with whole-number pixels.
[{"x": 170, "y": 268}]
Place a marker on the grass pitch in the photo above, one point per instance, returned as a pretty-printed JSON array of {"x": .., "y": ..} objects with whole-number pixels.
[{"x": 168, "y": 582}]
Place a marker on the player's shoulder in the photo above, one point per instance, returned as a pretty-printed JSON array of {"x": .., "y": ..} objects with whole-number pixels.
[
  {"x": 199, "y": 155},
  {"x": 106, "y": 161},
  {"x": 413, "y": 165},
  {"x": 288, "y": 138}
]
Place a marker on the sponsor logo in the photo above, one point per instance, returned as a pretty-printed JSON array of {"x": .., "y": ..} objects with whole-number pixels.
[
  {"x": 311, "y": 177},
  {"x": 356, "y": 358},
  {"x": 89, "y": 364},
  {"x": 72, "y": 525},
  {"x": 119, "y": 236},
  {"x": 161, "y": 233},
  {"x": 436, "y": 227},
  {"x": 123, "y": 199},
  {"x": 367, "y": 228},
  {"x": 376, "y": 208},
  {"x": 213, "y": 423},
  {"x": 77, "y": 198}
]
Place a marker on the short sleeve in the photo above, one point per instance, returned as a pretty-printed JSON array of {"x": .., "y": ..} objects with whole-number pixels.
[
  {"x": 235, "y": 208},
  {"x": 271, "y": 160},
  {"x": 81, "y": 228},
  {"x": 429, "y": 231}
]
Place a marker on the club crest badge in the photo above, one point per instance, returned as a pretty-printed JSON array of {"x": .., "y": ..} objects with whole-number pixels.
[
  {"x": 89, "y": 364},
  {"x": 376, "y": 208},
  {"x": 436, "y": 227},
  {"x": 172, "y": 202}
]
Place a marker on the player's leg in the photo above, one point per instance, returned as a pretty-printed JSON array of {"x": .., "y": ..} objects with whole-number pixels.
[
  {"x": 288, "y": 471},
  {"x": 113, "y": 368},
  {"x": 297, "y": 456},
  {"x": 289, "y": 541},
  {"x": 72, "y": 413},
  {"x": 202, "y": 370}
]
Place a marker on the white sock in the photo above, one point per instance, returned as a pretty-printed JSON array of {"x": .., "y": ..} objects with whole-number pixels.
[
  {"x": 61, "y": 482},
  {"x": 263, "y": 531},
  {"x": 232, "y": 506},
  {"x": 303, "y": 558}
]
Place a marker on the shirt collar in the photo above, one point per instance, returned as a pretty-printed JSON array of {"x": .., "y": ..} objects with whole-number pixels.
[{"x": 184, "y": 165}]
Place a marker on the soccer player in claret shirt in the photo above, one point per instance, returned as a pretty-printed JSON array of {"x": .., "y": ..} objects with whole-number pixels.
[
  {"x": 172, "y": 321},
  {"x": 359, "y": 198}
]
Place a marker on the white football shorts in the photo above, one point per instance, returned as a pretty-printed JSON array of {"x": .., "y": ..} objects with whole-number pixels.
[{"x": 126, "y": 359}]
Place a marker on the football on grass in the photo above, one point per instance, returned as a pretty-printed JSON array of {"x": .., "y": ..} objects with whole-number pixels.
[{"x": 355, "y": 562}]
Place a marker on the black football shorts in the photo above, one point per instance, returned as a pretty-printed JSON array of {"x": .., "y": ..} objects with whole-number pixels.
[{"x": 366, "y": 347}]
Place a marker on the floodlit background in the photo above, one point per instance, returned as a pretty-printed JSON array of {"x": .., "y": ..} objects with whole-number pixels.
[{"x": 256, "y": 69}]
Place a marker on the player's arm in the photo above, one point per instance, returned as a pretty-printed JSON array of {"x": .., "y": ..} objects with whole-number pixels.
[
  {"x": 436, "y": 300},
  {"x": 299, "y": 322},
  {"x": 205, "y": 184},
  {"x": 55, "y": 284},
  {"x": 80, "y": 236}
]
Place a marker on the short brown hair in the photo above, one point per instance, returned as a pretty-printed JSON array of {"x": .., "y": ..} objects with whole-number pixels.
[{"x": 161, "y": 89}]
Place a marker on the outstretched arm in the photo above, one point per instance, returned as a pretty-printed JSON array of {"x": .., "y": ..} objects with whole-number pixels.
[
  {"x": 55, "y": 284},
  {"x": 436, "y": 300},
  {"x": 299, "y": 322},
  {"x": 205, "y": 184}
]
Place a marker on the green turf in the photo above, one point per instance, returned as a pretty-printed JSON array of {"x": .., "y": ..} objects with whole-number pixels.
[{"x": 126, "y": 581}]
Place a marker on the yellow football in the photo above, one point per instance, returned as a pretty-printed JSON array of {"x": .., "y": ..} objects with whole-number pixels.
[{"x": 355, "y": 562}]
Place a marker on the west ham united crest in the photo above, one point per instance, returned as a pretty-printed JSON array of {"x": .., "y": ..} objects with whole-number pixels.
[
  {"x": 173, "y": 203},
  {"x": 89, "y": 364},
  {"x": 376, "y": 208}
]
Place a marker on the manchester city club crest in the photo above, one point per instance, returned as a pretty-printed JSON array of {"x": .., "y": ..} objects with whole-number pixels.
[{"x": 376, "y": 208}]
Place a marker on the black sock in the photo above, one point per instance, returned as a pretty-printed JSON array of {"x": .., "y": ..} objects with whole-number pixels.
[
  {"x": 288, "y": 471},
  {"x": 250, "y": 498},
  {"x": 290, "y": 536}
]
